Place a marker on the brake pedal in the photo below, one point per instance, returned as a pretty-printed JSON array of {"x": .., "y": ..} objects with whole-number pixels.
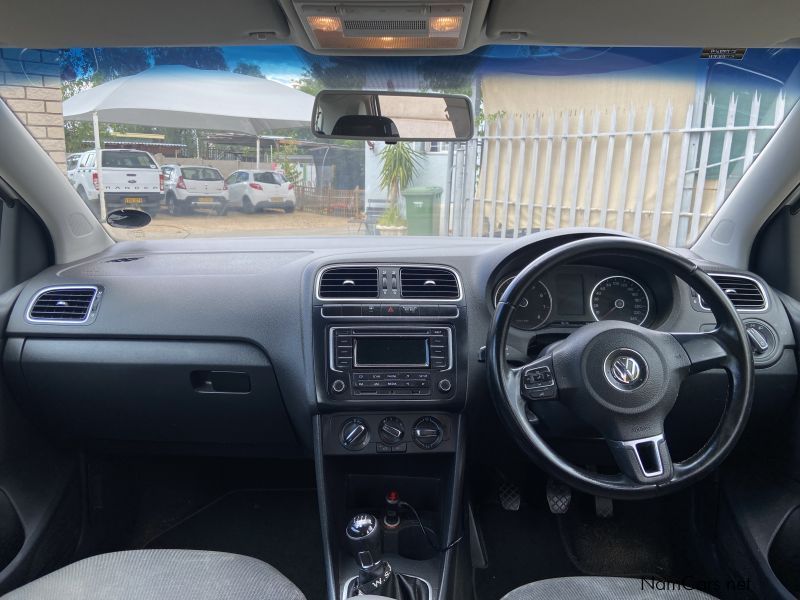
[
  {"x": 559, "y": 497},
  {"x": 510, "y": 498},
  {"x": 603, "y": 507}
]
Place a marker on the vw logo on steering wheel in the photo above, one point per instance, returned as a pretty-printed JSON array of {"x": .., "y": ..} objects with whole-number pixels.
[{"x": 625, "y": 369}]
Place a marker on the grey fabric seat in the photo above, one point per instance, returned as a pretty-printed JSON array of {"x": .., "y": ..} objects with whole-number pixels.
[
  {"x": 600, "y": 588},
  {"x": 162, "y": 575}
]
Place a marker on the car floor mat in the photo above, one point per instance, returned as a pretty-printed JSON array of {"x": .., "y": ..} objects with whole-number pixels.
[
  {"x": 635, "y": 542},
  {"x": 280, "y": 527}
]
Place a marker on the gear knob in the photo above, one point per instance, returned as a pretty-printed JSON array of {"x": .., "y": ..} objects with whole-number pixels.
[{"x": 364, "y": 539}]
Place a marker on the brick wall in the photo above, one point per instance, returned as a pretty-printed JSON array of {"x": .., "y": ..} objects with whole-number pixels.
[{"x": 30, "y": 84}]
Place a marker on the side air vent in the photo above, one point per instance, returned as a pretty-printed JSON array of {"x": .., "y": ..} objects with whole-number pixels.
[
  {"x": 744, "y": 293},
  {"x": 349, "y": 282},
  {"x": 70, "y": 304},
  {"x": 428, "y": 283}
]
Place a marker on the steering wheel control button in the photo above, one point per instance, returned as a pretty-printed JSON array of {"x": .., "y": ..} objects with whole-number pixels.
[
  {"x": 338, "y": 386},
  {"x": 428, "y": 433},
  {"x": 538, "y": 383},
  {"x": 391, "y": 430},
  {"x": 538, "y": 377},
  {"x": 625, "y": 369},
  {"x": 355, "y": 434}
]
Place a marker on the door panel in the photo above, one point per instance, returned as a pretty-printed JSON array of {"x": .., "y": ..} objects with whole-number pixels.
[{"x": 40, "y": 510}]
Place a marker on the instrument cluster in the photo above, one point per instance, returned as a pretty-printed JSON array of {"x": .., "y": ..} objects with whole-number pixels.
[{"x": 576, "y": 295}]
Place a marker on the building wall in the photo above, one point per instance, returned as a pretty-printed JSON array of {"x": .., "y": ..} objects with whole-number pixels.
[{"x": 30, "y": 84}]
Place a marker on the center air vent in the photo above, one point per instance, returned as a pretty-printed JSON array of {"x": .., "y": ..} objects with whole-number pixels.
[
  {"x": 744, "y": 293},
  {"x": 69, "y": 304},
  {"x": 428, "y": 283},
  {"x": 349, "y": 282}
]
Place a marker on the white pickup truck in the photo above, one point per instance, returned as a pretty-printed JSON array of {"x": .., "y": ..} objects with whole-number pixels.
[{"x": 131, "y": 179}]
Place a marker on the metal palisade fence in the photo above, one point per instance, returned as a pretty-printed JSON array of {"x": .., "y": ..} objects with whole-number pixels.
[{"x": 658, "y": 174}]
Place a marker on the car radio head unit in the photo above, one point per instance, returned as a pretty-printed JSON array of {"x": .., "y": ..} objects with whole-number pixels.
[
  {"x": 390, "y": 361},
  {"x": 381, "y": 351}
]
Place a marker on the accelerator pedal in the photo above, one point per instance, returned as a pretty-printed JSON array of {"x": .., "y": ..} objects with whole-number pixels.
[{"x": 603, "y": 507}]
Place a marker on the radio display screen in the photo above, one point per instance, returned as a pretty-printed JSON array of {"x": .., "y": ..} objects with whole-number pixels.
[{"x": 376, "y": 351}]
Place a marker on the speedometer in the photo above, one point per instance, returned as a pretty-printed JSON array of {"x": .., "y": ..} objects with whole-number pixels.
[
  {"x": 534, "y": 307},
  {"x": 619, "y": 298}
]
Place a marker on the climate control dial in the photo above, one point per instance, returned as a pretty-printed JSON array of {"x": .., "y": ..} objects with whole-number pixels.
[
  {"x": 391, "y": 430},
  {"x": 354, "y": 434},
  {"x": 428, "y": 433}
]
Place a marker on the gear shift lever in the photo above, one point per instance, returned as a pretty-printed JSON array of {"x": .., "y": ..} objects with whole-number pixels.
[{"x": 365, "y": 541}]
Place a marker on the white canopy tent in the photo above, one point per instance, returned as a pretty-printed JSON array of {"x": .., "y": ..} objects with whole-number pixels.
[{"x": 187, "y": 98}]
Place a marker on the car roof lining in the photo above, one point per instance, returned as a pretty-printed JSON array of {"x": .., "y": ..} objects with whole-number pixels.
[{"x": 680, "y": 23}]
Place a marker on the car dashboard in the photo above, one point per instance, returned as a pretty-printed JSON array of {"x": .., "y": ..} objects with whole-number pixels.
[
  {"x": 209, "y": 342},
  {"x": 366, "y": 353}
]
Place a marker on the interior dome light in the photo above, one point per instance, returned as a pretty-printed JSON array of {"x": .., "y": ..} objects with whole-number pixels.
[
  {"x": 446, "y": 24},
  {"x": 322, "y": 23}
]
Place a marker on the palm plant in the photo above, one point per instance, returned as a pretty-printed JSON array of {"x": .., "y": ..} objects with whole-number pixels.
[{"x": 400, "y": 164}]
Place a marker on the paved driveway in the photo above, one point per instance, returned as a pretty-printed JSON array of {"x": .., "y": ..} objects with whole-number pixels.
[{"x": 236, "y": 224}]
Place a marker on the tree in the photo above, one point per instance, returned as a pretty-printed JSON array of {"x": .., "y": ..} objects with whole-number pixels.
[
  {"x": 400, "y": 164},
  {"x": 290, "y": 169},
  {"x": 449, "y": 76},
  {"x": 251, "y": 69},
  {"x": 209, "y": 58},
  {"x": 332, "y": 73},
  {"x": 102, "y": 64}
]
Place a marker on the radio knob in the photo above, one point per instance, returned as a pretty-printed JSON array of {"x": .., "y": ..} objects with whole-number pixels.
[
  {"x": 391, "y": 430},
  {"x": 445, "y": 385},
  {"x": 428, "y": 433},
  {"x": 354, "y": 434},
  {"x": 338, "y": 386}
]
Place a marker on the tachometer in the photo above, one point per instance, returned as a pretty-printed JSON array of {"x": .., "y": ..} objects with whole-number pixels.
[
  {"x": 619, "y": 298},
  {"x": 534, "y": 307}
]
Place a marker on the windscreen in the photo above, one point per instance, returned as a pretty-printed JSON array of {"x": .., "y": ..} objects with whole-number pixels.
[
  {"x": 269, "y": 177},
  {"x": 648, "y": 141},
  {"x": 200, "y": 174},
  {"x": 128, "y": 160}
]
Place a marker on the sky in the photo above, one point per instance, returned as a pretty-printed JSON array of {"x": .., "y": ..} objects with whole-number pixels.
[{"x": 283, "y": 64}]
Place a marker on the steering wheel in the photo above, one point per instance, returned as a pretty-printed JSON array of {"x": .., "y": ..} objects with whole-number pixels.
[{"x": 622, "y": 379}]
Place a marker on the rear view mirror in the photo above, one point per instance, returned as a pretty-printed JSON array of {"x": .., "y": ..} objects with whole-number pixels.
[
  {"x": 128, "y": 218},
  {"x": 392, "y": 116}
]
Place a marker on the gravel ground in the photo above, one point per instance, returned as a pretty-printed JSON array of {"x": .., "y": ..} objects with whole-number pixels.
[{"x": 236, "y": 224}]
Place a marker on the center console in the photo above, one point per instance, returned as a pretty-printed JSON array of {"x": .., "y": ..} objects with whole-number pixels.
[{"x": 390, "y": 378}]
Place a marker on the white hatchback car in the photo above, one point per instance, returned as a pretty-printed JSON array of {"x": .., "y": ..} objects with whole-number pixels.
[
  {"x": 189, "y": 186},
  {"x": 251, "y": 190}
]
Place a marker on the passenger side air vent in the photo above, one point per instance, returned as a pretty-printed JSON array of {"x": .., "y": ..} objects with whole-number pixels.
[
  {"x": 63, "y": 305},
  {"x": 744, "y": 293},
  {"x": 349, "y": 282},
  {"x": 428, "y": 283}
]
